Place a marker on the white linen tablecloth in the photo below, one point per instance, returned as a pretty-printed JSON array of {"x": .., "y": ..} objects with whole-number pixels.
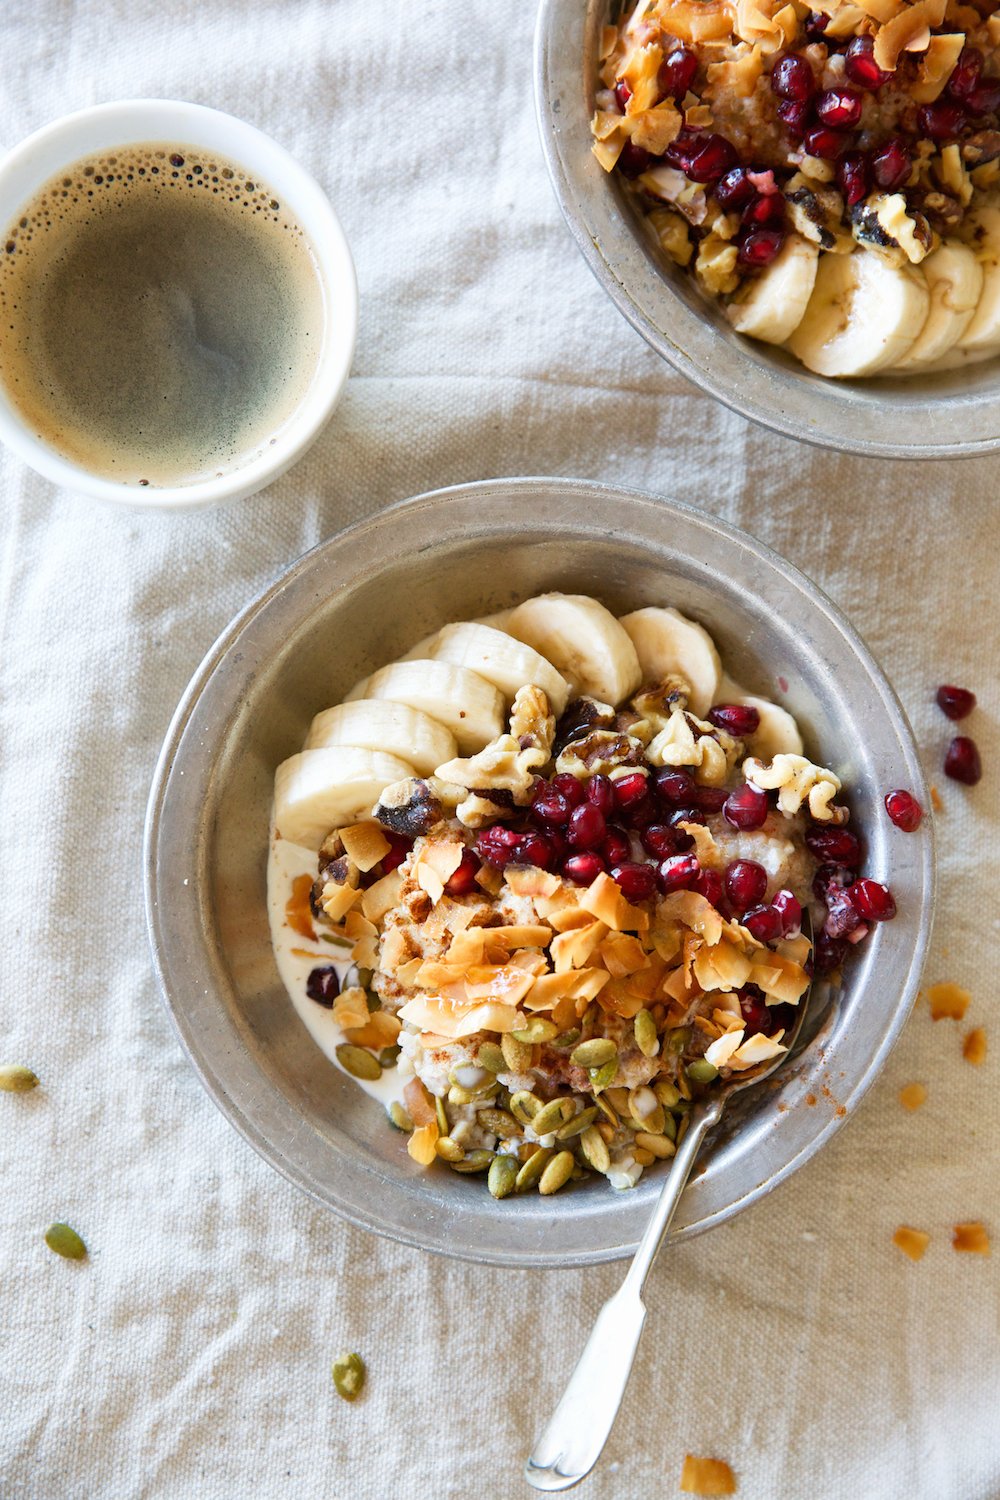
[{"x": 188, "y": 1358}]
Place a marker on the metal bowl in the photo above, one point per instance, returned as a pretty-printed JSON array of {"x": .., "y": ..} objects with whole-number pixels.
[
  {"x": 944, "y": 415},
  {"x": 365, "y": 597}
]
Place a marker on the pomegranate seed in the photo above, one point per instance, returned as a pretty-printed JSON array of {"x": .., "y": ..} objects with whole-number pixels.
[
  {"x": 686, "y": 815},
  {"x": 678, "y": 873},
  {"x": 710, "y": 799},
  {"x": 872, "y": 900},
  {"x": 549, "y": 806},
  {"x": 904, "y": 810},
  {"x": 891, "y": 165},
  {"x": 835, "y": 845},
  {"x": 827, "y": 874},
  {"x": 583, "y": 869},
  {"x": 709, "y": 158},
  {"x": 323, "y": 986},
  {"x": 767, "y": 209},
  {"x": 940, "y": 121},
  {"x": 795, "y": 115},
  {"x": 842, "y": 915},
  {"x": 463, "y": 880},
  {"x": 557, "y": 841},
  {"x": 641, "y": 813},
  {"x": 569, "y": 787},
  {"x": 633, "y": 160},
  {"x": 636, "y": 882},
  {"x": 792, "y": 78},
  {"x": 955, "y": 702},
  {"x": 534, "y": 849},
  {"x": 746, "y": 883},
  {"x": 677, "y": 72},
  {"x": 839, "y": 108},
  {"x": 708, "y": 883},
  {"x": 660, "y": 841},
  {"x": 630, "y": 789},
  {"x": 825, "y": 143},
  {"x": 984, "y": 99},
  {"x": 622, "y": 94},
  {"x": 675, "y": 787},
  {"x": 965, "y": 73},
  {"x": 860, "y": 65},
  {"x": 756, "y": 1015},
  {"x": 852, "y": 177},
  {"x": 962, "y": 761},
  {"x": 600, "y": 792},
  {"x": 400, "y": 848},
  {"x": 760, "y": 246},
  {"x": 828, "y": 953},
  {"x": 734, "y": 190},
  {"x": 747, "y": 807},
  {"x": 815, "y": 25},
  {"x": 617, "y": 848},
  {"x": 497, "y": 845},
  {"x": 763, "y": 923},
  {"x": 789, "y": 909},
  {"x": 586, "y": 828},
  {"x": 738, "y": 719}
]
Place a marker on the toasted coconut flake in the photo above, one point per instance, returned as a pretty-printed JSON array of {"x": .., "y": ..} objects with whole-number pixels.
[
  {"x": 912, "y": 1242},
  {"x": 381, "y": 897},
  {"x": 654, "y": 129},
  {"x": 782, "y": 981},
  {"x": 937, "y": 67},
  {"x": 691, "y": 909},
  {"x": 364, "y": 935},
  {"x": 366, "y": 844},
  {"x": 435, "y": 863},
  {"x": 446, "y": 1018},
  {"x": 605, "y": 901},
  {"x": 350, "y": 1009},
  {"x": 908, "y": 31},
  {"x": 970, "y": 1238},
  {"x": 913, "y": 1096},
  {"x": 579, "y": 984},
  {"x": 407, "y": 973},
  {"x": 337, "y": 899},
  {"x": 422, "y": 1143},
  {"x": 974, "y": 1047},
  {"x": 574, "y": 948},
  {"x": 531, "y": 882},
  {"x": 709, "y": 1028},
  {"x": 490, "y": 880},
  {"x": 467, "y": 947},
  {"x": 948, "y": 1002},
  {"x": 722, "y": 967},
  {"x": 508, "y": 982},
  {"x": 707, "y": 1476},
  {"x": 623, "y": 954},
  {"x": 419, "y": 1102},
  {"x": 609, "y": 39},
  {"x": 523, "y": 935},
  {"x": 757, "y": 1049},
  {"x": 394, "y": 950},
  {"x": 720, "y": 1052},
  {"x": 379, "y": 1030}
]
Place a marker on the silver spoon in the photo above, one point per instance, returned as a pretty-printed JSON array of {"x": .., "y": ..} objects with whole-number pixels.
[{"x": 580, "y": 1426}]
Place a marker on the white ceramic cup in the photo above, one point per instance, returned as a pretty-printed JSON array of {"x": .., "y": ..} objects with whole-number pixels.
[{"x": 135, "y": 121}]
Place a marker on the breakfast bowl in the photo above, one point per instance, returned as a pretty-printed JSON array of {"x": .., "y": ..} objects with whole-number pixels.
[
  {"x": 368, "y": 596},
  {"x": 940, "y": 414}
]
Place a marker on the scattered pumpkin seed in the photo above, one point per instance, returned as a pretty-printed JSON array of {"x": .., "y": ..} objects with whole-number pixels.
[
  {"x": 349, "y": 1376},
  {"x": 476, "y": 1161},
  {"x": 524, "y": 1106},
  {"x": 387, "y": 1057},
  {"x": 499, "y": 1122},
  {"x": 15, "y": 1079},
  {"x": 576, "y": 1124},
  {"x": 443, "y": 1123},
  {"x": 676, "y": 1040},
  {"x": 642, "y": 1156},
  {"x": 359, "y": 1062},
  {"x": 578, "y": 1173},
  {"x": 652, "y": 1120},
  {"x": 685, "y": 1121},
  {"x": 65, "y": 1242},
  {"x": 502, "y": 1176},
  {"x": 551, "y": 1116},
  {"x": 398, "y": 1116},
  {"x": 670, "y": 1127},
  {"x": 657, "y": 1145},
  {"x": 702, "y": 1071},
  {"x": 618, "y": 1099},
  {"x": 448, "y": 1149},
  {"x": 458, "y": 1095},
  {"x": 595, "y": 1149},
  {"x": 595, "y": 1053},
  {"x": 557, "y": 1173},
  {"x": 532, "y": 1168},
  {"x": 365, "y": 977},
  {"x": 537, "y": 1030},
  {"x": 517, "y": 1055},
  {"x": 567, "y": 1038},
  {"x": 605, "y": 1108},
  {"x": 602, "y": 1078},
  {"x": 666, "y": 1093},
  {"x": 373, "y": 1001},
  {"x": 338, "y": 942},
  {"x": 645, "y": 1034},
  {"x": 606, "y": 1131},
  {"x": 684, "y": 1085},
  {"x": 491, "y": 1056}
]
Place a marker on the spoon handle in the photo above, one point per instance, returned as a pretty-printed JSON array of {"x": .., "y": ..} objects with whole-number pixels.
[{"x": 580, "y": 1425}]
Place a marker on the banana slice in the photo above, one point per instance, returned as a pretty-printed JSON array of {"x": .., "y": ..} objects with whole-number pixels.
[
  {"x": 774, "y": 303},
  {"x": 582, "y": 640},
  {"x": 378, "y": 724},
  {"x": 464, "y": 702},
  {"x": 955, "y": 282},
  {"x": 776, "y": 734},
  {"x": 507, "y": 663},
  {"x": 667, "y": 642},
  {"x": 864, "y": 314},
  {"x": 317, "y": 790},
  {"x": 983, "y": 332}
]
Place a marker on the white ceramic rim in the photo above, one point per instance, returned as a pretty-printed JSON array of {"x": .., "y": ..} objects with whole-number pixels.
[{"x": 131, "y": 122}]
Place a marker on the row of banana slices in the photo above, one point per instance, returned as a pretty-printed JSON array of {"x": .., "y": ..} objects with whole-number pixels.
[
  {"x": 858, "y": 314},
  {"x": 450, "y": 696}
]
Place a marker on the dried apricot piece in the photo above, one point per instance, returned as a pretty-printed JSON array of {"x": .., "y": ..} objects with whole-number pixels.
[
  {"x": 948, "y": 1002},
  {"x": 971, "y": 1237},
  {"x": 707, "y": 1476},
  {"x": 912, "y": 1242},
  {"x": 974, "y": 1047}
]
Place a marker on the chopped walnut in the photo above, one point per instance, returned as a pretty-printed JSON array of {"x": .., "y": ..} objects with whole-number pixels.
[
  {"x": 689, "y": 741},
  {"x": 797, "y": 781},
  {"x": 501, "y": 776},
  {"x": 599, "y": 753}
]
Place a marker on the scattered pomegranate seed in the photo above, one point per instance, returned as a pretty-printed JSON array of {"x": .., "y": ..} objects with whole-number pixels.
[
  {"x": 617, "y": 849},
  {"x": 710, "y": 157},
  {"x": 687, "y": 815},
  {"x": 872, "y": 900},
  {"x": 825, "y": 143},
  {"x": 766, "y": 209},
  {"x": 586, "y": 827},
  {"x": 839, "y": 108},
  {"x": 941, "y": 121},
  {"x": 675, "y": 787},
  {"x": 763, "y": 923},
  {"x": 734, "y": 189},
  {"x": 792, "y": 78},
  {"x": 984, "y": 99},
  {"x": 549, "y": 806},
  {"x": 323, "y": 986},
  {"x": 534, "y": 849},
  {"x": 795, "y": 115},
  {"x": 955, "y": 702},
  {"x": 747, "y": 807},
  {"x": 710, "y": 799},
  {"x": 828, "y": 953},
  {"x": 660, "y": 841},
  {"x": 497, "y": 845},
  {"x": 600, "y": 792},
  {"x": 837, "y": 846},
  {"x": 633, "y": 160},
  {"x": 891, "y": 165},
  {"x": 678, "y": 873},
  {"x": 789, "y": 909},
  {"x": 965, "y": 73},
  {"x": 842, "y": 920},
  {"x": 904, "y": 810},
  {"x": 962, "y": 761},
  {"x": 636, "y": 882},
  {"x": 640, "y": 814},
  {"x": 708, "y": 883},
  {"x": 738, "y": 719},
  {"x": 852, "y": 177},
  {"x": 860, "y": 65},
  {"x": 400, "y": 848},
  {"x": 756, "y": 1015},
  {"x": 622, "y": 94},
  {"x": 569, "y": 787},
  {"x": 630, "y": 789},
  {"x": 823, "y": 877},
  {"x": 463, "y": 880},
  {"x": 746, "y": 883},
  {"x": 583, "y": 869},
  {"x": 760, "y": 246},
  {"x": 677, "y": 72},
  {"x": 815, "y": 25}
]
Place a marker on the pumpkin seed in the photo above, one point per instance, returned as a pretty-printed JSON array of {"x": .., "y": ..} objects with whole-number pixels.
[
  {"x": 365, "y": 977},
  {"x": 444, "y": 1124},
  {"x": 448, "y": 1149},
  {"x": 500, "y": 1122},
  {"x": 666, "y": 1093},
  {"x": 557, "y": 1173},
  {"x": 577, "y": 1124},
  {"x": 476, "y": 1161},
  {"x": 602, "y": 1078},
  {"x": 595, "y": 1149},
  {"x": 551, "y": 1116},
  {"x": 645, "y": 1034},
  {"x": 702, "y": 1071},
  {"x": 670, "y": 1127},
  {"x": 349, "y": 1376},
  {"x": 359, "y": 1062},
  {"x": 642, "y": 1156},
  {"x": 567, "y": 1038},
  {"x": 517, "y": 1055},
  {"x": 15, "y": 1079},
  {"x": 524, "y": 1106},
  {"x": 458, "y": 1095},
  {"x": 532, "y": 1169},
  {"x": 685, "y": 1121},
  {"x": 618, "y": 1099},
  {"x": 387, "y": 1057},
  {"x": 607, "y": 1132},
  {"x": 606, "y": 1110},
  {"x": 491, "y": 1056},
  {"x": 502, "y": 1176},
  {"x": 684, "y": 1085},
  {"x": 398, "y": 1116},
  {"x": 676, "y": 1040},
  {"x": 651, "y": 1119},
  {"x": 373, "y": 1001},
  {"x": 537, "y": 1030},
  {"x": 595, "y": 1053},
  {"x": 65, "y": 1242},
  {"x": 657, "y": 1145},
  {"x": 578, "y": 1173}
]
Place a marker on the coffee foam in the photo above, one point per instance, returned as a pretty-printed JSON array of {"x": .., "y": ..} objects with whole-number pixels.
[{"x": 161, "y": 315}]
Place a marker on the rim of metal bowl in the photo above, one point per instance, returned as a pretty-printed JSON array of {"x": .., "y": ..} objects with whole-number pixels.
[
  {"x": 915, "y": 417},
  {"x": 188, "y": 765}
]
